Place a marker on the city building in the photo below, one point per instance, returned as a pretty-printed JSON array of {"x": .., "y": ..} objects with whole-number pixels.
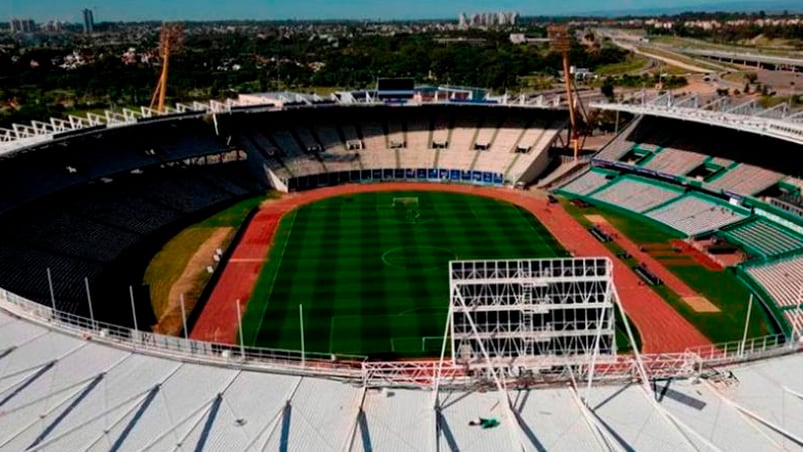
[
  {"x": 22, "y": 25},
  {"x": 89, "y": 21},
  {"x": 488, "y": 19}
]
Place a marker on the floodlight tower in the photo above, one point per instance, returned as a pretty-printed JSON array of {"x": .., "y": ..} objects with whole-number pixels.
[
  {"x": 169, "y": 42},
  {"x": 560, "y": 42}
]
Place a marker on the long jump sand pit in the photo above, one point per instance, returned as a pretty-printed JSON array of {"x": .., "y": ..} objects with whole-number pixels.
[
  {"x": 700, "y": 304},
  {"x": 596, "y": 219}
]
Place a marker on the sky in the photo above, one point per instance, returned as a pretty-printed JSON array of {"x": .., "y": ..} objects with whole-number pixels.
[{"x": 132, "y": 10}]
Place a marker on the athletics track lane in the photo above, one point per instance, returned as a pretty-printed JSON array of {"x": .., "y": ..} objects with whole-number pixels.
[{"x": 661, "y": 328}]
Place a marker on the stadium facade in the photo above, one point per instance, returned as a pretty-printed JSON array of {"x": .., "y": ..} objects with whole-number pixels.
[{"x": 72, "y": 382}]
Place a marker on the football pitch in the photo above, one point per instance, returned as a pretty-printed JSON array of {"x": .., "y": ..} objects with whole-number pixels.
[{"x": 371, "y": 270}]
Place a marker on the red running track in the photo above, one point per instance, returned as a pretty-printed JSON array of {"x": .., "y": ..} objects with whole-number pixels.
[{"x": 661, "y": 328}]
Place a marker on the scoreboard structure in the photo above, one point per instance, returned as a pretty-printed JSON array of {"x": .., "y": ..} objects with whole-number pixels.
[
  {"x": 395, "y": 89},
  {"x": 531, "y": 314}
]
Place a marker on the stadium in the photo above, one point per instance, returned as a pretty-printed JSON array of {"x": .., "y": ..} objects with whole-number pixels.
[{"x": 425, "y": 275}]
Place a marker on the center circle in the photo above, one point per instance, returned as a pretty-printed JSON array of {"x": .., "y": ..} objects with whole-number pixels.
[{"x": 418, "y": 257}]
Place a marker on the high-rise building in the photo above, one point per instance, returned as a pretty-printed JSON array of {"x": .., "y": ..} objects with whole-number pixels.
[
  {"x": 53, "y": 26},
  {"x": 489, "y": 19},
  {"x": 89, "y": 21},
  {"x": 462, "y": 21},
  {"x": 22, "y": 25}
]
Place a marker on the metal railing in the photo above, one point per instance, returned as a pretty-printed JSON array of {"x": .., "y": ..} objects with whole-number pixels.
[
  {"x": 287, "y": 361},
  {"x": 357, "y": 369}
]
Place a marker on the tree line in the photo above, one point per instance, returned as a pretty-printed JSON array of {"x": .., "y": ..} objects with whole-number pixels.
[{"x": 223, "y": 65}]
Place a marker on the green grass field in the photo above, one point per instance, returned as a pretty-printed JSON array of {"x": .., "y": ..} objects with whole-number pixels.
[
  {"x": 723, "y": 288},
  {"x": 371, "y": 270}
]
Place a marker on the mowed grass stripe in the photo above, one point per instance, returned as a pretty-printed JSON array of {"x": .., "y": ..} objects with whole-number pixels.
[{"x": 373, "y": 278}]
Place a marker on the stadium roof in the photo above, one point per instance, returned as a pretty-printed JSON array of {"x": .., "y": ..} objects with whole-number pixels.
[
  {"x": 66, "y": 392},
  {"x": 749, "y": 116}
]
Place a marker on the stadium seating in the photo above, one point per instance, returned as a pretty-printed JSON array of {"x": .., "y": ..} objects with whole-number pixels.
[
  {"x": 501, "y": 153},
  {"x": 746, "y": 179},
  {"x": 335, "y": 157},
  {"x": 765, "y": 237},
  {"x": 679, "y": 148},
  {"x": 586, "y": 183},
  {"x": 463, "y": 133},
  {"x": 721, "y": 161},
  {"x": 692, "y": 214},
  {"x": 286, "y": 143},
  {"x": 782, "y": 279},
  {"x": 795, "y": 319},
  {"x": 637, "y": 195},
  {"x": 675, "y": 161},
  {"x": 620, "y": 145},
  {"x": 488, "y": 131},
  {"x": 474, "y": 143},
  {"x": 441, "y": 131},
  {"x": 460, "y": 153},
  {"x": 536, "y": 142},
  {"x": 418, "y": 134},
  {"x": 373, "y": 136},
  {"x": 83, "y": 231}
]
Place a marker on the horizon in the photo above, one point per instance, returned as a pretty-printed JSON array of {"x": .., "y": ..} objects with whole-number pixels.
[{"x": 326, "y": 10}]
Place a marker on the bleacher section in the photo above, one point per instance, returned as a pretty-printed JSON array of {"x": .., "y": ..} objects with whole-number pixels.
[
  {"x": 63, "y": 163},
  {"x": 258, "y": 144},
  {"x": 620, "y": 145},
  {"x": 764, "y": 237},
  {"x": 487, "y": 132},
  {"x": 83, "y": 231},
  {"x": 502, "y": 151},
  {"x": 746, "y": 180},
  {"x": 534, "y": 148},
  {"x": 675, "y": 161},
  {"x": 361, "y": 143},
  {"x": 675, "y": 148},
  {"x": 637, "y": 195},
  {"x": 694, "y": 214},
  {"x": 586, "y": 183},
  {"x": 418, "y": 134},
  {"x": 795, "y": 319},
  {"x": 441, "y": 129},
  {"x": 335, "y": 156},
  {"x": 782, "y": 279}
]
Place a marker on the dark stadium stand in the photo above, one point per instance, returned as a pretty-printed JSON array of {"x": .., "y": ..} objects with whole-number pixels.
[
  {"x": 96, "y": 228},
  {"x": 79, "y": 158}
]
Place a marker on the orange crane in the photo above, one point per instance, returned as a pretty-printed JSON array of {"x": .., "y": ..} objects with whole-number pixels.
[
  {"x": 560, "y": 42},
  {"x": 169, "y": 42}
]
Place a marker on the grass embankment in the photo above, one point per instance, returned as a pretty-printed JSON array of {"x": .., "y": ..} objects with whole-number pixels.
[
  {"x": 180, "y": 267},
  {"x": 634, "y": 63},
  {"x": 722, "y": 288}
]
